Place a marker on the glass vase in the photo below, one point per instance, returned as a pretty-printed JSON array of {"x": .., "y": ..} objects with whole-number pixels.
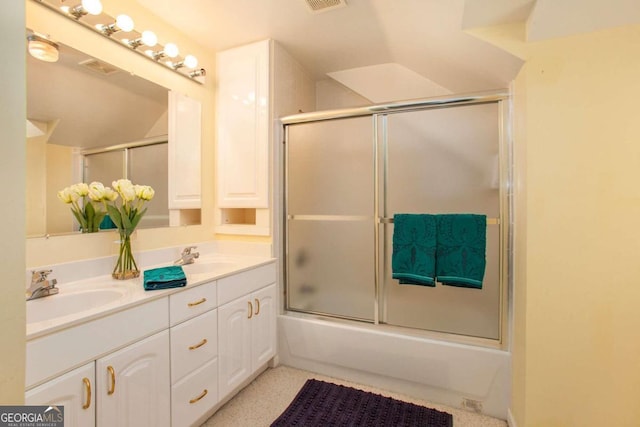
[{"x": 126, "y": 267}]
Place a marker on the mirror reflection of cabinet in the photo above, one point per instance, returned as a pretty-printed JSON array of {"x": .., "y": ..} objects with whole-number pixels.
[{"x": 184, "y": 191}]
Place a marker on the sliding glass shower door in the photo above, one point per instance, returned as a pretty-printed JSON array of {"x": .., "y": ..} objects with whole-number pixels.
[
  {"x": 330, "y": 224},
  {"x": 346, "y": 178},
  {"x": 444, "y": 161}
]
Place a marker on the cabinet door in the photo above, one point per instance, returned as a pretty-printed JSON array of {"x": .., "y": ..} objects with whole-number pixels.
[
  {"x": 234, "y": 344},
  {"x": 263, "y": 326},
  {"x": 185, "y": 117},
  {"x": 133, "y": 385},
  {"x": 73, "y": 390},
  {"x": 243, "y": 126}
]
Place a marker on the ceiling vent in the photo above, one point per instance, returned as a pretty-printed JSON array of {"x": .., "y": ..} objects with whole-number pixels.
[
  {"x": 99, "y": 67},
  {"x": 317, "y": 6}
]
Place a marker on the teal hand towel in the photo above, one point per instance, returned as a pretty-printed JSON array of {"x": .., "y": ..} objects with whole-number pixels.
[
  {"x": 164, "y": 278},
  {"x": 461, "y": 248},
  {"x": 413, "y": 259}
]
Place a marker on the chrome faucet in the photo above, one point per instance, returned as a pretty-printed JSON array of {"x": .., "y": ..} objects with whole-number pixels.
[
  {"x": 187, "y": 256},
  {"x": 41, "y": 286}
]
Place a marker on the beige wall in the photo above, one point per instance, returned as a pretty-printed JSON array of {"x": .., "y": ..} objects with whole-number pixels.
[
  {"x": 60, "y": 174},
  {"x": 12, "y": 226},
  {"x": 577, "y": 294},
  {"x": 41, "y": 251},
  {"x": 36, "y": 199}
]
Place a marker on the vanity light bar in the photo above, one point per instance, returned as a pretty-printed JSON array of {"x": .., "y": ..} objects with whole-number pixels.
[{"x": 88, "y": 11}]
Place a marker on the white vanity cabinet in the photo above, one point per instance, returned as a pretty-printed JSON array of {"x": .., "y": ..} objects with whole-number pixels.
[
  {"x": 194, "y": 353},
  {"x": 132, "y": 385},
  {"x": 129, "y": 387},
  {"x": 167, "y": 361},
  {"x": 246, "y": 325},
  {"x": 75, "y": 391},
  {"x": 140, "y": 362}
]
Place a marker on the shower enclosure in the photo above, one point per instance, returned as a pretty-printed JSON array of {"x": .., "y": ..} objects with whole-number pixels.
[{"x": 348, "y": 172}]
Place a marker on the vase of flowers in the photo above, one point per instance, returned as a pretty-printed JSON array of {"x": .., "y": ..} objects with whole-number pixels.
[
  {"x": 88, "y": 203},
  {"x": 126, "y": 212}
]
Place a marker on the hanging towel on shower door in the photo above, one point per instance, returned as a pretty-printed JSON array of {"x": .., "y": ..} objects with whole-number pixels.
[
  {"x": 413, "y": 260},
  {"x": 460, "y": 255}
]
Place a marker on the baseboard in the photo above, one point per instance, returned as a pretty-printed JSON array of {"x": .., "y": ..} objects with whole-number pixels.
[{"x": 511, "y": 422}]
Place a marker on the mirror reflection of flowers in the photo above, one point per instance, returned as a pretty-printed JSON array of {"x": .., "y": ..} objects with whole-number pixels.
[
  {"x": 86, "y": 202},
  {"x": 126, "y": 212}
]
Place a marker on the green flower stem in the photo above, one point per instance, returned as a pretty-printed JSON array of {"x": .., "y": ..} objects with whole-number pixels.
[{"x": 126, "y": 266}]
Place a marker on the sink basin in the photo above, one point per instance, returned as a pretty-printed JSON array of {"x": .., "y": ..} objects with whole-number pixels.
[
  {"x": 67, "y": 303},
  {"x": 208, "y": 266}
]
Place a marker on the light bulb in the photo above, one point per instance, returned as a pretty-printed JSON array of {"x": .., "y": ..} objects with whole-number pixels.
[
  {"x": 124, "y": 22},
  {"x": 42, "y": 48},
  {"x": 190, "y": 61},
  {"x": 171, "y": 50},
  {"x": 149, "y": 38},
  {"x": 94, "y": 7}
]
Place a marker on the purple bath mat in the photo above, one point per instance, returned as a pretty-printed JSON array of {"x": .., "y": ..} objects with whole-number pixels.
[{"x": 322, "y": 404}]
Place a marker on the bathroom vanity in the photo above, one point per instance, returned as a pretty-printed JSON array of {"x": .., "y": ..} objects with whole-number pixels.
[{"x": 153, "y": 358}]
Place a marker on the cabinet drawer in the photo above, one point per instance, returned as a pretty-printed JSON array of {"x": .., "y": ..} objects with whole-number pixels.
[
  {"x": 232, "y": 287},
  {"x": 193, "y": 343},
  {"x": 194, "y": 395},
  {"x": 192, "y": 302}
]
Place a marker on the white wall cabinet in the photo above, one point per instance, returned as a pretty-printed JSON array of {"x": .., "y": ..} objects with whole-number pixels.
[
  {"x": 133, "y": 387},
  {"x": 185, "y": 129},
  {"x": 75, "y": 391},
  {"x": 246, "y": 327},
  {"x": 243, "y": 126},
  {"x": 257, "y": 84}
]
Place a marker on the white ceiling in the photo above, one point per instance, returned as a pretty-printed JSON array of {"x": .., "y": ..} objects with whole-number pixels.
[
  {"x": 424, "y": 39},
  {"x": 424, "y": 36}
]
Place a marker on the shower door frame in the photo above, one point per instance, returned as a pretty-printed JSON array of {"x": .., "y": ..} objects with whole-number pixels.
[{"x": 379, "y": 113}]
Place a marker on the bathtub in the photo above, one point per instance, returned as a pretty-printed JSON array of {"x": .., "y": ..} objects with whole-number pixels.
[{"x": 459, "y": 375}]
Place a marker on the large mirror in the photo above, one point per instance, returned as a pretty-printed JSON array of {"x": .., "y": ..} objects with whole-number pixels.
[{"x": 90, "y": 121}]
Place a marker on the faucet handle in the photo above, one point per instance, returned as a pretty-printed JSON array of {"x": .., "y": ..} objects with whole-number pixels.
[
  {"x": 188, "y": 249},
  {"x": 40, "y": 275}
]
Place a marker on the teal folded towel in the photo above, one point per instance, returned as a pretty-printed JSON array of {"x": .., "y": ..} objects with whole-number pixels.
[
  {"x": 164, "y": 278},
  {"x": 413, "y": 259},
  {"x": 461, "y": 248}
]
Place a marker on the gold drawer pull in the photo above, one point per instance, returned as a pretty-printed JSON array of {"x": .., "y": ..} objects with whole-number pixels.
[
  {"x": 200, "y": 344},
  {"x": 200, "y": 301},
  {"x": 112, "y": 374},
  {"x": 87, "y": 385},
  {"x": 203, "y": 394},
  {"x": 257, "y": 306},
  {"x": 250, "y": 314}
]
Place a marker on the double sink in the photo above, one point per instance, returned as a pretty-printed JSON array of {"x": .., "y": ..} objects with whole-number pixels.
[{"x": 79, "y": 300}]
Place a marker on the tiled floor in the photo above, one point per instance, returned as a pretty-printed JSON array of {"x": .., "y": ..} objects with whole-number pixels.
[{"x": 268, "y": 396}]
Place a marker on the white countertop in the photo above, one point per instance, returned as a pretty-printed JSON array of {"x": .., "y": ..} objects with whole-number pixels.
[{"x": 132, "y": 291}]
